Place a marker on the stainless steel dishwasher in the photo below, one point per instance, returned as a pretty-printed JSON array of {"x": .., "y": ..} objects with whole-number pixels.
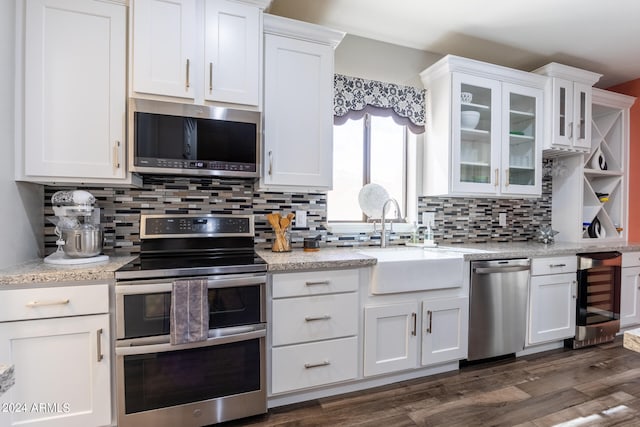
[{"x": 498, "y": 307}]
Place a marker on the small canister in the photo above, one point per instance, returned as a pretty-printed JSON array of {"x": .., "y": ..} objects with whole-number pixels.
[{"x": 311, "y": 244}]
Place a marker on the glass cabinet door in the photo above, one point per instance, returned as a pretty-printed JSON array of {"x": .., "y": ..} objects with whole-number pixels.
[
  {"x": 582, "y": 115},
  {"x": 521, "y": 162},
  {"x": 476, "y": 134},
  {"x": 562, "y": 112}
]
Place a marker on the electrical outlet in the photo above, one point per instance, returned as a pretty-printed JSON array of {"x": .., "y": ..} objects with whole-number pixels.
[
  {"x": 502, "y": 219},
  {"x": 301, "y": 219},
  {"x": 428, "y": 219}
]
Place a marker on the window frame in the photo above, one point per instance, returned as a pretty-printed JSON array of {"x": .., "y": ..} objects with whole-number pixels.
[{"x": 409, "y": 173}]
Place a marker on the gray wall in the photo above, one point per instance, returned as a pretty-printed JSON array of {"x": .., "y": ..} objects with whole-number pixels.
[
  {"x": 20, "y": 204},
  {"x": 385, "y": 62}
]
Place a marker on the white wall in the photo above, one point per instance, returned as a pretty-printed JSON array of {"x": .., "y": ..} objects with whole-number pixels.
[
  {"x": 21, "y": 205},
  {"x": 385, "y": 62}
]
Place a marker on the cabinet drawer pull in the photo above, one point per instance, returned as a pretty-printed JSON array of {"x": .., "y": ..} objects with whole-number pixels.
[
  {"x": 557, "y": 265},
  {"x": 270, "y": 163},
  {"x": 317, "y": 365},
  {"x": 497, "y": 183},
  {"x": 314, "y": 318},
  {"x": 506, "y": 177},
  {"x": 99, "y": 345},
  {"x": 430, "y": 314},
  {"x": 210, "y": 77},
  {"x": 45, "y": 303},
  {"x": 414, "y": 317},
  {"x": 322, "y": 282},
  {"x": 187, "y": 81}
]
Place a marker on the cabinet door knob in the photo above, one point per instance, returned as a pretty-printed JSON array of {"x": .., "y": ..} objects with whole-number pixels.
[
  {"x": 497, "y": 178},
  {"x": 571, "y": 130},
  {"x": 270, "y": 162},
  {"x": 506, "y": 177},
  {"x": 430, "y": 314}
]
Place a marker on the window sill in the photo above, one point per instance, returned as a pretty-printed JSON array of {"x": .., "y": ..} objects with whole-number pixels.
[{"x": 365, "y": 227}]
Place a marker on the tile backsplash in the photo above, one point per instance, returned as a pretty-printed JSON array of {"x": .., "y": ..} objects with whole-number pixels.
[{"x": 457, "y": 220}]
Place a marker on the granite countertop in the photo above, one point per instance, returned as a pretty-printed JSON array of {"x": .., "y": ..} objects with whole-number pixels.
[
  {"x": 37, "y": 271},
  {"x": 351, "y": 257},
  {"x": 298, "y": 259}
]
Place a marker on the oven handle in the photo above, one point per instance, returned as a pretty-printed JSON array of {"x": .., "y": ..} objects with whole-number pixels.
[
  {"x": 132, "y": 349},
  {"x": 134, "y": 288}
]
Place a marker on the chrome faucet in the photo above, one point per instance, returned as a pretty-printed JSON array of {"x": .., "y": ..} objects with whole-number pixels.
[{"x": 383, "y": 236}]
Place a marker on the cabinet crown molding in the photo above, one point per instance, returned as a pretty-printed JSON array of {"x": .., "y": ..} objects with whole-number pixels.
[
  {"x": 566, "y": 72},
  {"x": 262, "y": 4},
  {"x": 292, "y": 28},
  {"x": 613, "y": 99},
  {"x": 453, "y": 63}
]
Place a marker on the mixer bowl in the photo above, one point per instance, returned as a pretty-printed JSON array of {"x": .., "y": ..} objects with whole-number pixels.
[{"x": 82, "y": 242}]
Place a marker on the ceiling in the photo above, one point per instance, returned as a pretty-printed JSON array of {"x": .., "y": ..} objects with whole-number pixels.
[{"x": 596, "y": 35}]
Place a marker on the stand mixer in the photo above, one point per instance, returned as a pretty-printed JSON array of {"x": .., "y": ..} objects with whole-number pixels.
[{"x": 78, "y": 228}]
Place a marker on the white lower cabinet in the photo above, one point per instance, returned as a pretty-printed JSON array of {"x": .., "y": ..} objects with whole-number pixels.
[
  {"x": 390, "y": 338},
  {"x": 630, "y": 290},
  {"x": 314, "y": 329},
  {"x": 393, "y": 333},
  {"x": 312, "y": 364},
  {"x": 444, "y": 330},
  {"x": 552, "y": 299},
  {"x": 62, "y": 364}
]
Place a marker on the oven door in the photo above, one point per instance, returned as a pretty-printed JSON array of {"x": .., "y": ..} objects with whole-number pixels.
[
  {"x": 143, "y": 307},
  {"x": 193, "y": 384}
]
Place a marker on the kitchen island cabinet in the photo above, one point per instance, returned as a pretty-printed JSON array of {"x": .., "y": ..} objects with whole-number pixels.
[
  {"x": 70, "y": 103},
  {"x": 58, "y": 339}
]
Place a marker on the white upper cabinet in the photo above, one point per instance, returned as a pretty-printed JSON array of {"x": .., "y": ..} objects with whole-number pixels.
[
  {"x": 73, "y": 81},
  {"x": 197, "y": 51},
  {"x": 298, "y": 105},
  {"x": 164, "y": 50},
  {"x": 485, "y": 129},
  {"x": 568, "y": 107},
  {"x": 232, "y": 52}
]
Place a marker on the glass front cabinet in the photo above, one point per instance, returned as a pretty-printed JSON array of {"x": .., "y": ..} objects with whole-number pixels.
[{"x": 484, "y": 130}]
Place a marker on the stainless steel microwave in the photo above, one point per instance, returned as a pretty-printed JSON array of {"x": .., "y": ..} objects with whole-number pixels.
[{"x": 184, "y": 139}]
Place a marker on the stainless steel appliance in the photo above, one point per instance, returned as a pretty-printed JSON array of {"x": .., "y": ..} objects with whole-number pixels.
[
  {"x": 598, "y": 302},
  {"x": 199, "y": 383},
  {"x": 498, "y": 307},
  {"x": 183, "y": 139}
]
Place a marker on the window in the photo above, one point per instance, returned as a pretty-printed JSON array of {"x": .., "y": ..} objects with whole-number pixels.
[{"x": 372, "y": 149}]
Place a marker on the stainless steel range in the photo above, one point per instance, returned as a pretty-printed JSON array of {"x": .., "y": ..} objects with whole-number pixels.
[{"x": 198, "y": 383}]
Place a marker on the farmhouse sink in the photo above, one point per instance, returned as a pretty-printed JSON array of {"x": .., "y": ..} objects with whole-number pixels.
[{"x": 414, "y": 269}]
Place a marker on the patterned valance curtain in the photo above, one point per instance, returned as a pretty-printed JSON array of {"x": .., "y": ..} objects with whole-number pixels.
[{"x": 353, "y": 97}]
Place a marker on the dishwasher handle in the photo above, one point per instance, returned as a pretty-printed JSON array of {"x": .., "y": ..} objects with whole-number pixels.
[{"x": 505, "y": 269}]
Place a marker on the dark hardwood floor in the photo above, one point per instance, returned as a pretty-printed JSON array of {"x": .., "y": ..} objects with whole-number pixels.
[{"x": 596, "y": 386}]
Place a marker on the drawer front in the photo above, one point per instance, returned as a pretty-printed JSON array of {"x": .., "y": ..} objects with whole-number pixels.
[
  {"x": 631, "y": 259},
  {"x": 314, "y": 283},
  {"x": 304, "y": 319},
  {"x": 313, "y": 364},
  {"x": 554, "y": 265},
  {"x": 40, "y": 303}
]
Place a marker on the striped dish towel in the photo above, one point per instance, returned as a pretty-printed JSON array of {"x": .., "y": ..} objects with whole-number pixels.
[{"x": 189, "y": 318}]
